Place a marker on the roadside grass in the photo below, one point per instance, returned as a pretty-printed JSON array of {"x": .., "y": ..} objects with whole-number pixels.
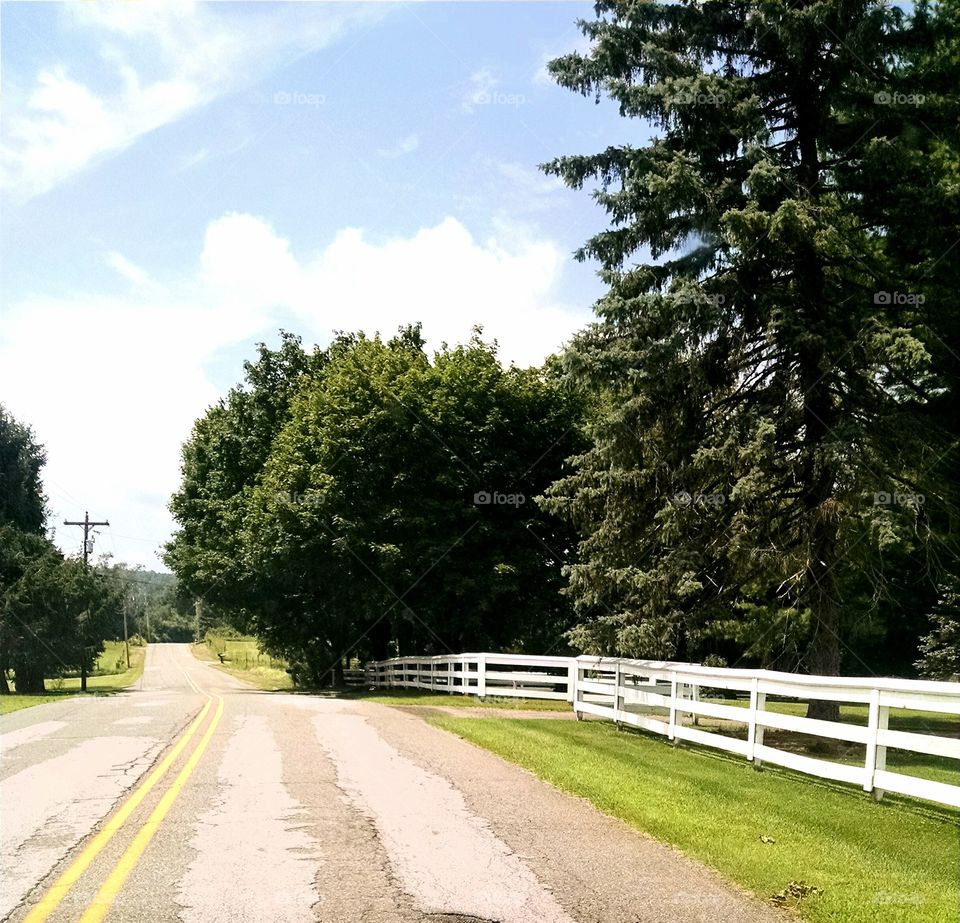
[
  {"x": 433, "y": 699},
  {"x": 895, "y": 861},
  {"x": 244, "y": 661},
  {"x": 110, "y": 671},
  {"x": 935, "y": 768},
  {"x": 110, "y": 675},
  {"x": 13, "y": 702}
]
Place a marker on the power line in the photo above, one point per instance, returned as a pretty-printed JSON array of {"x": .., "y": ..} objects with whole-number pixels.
[{"x": 87, "y": 524}]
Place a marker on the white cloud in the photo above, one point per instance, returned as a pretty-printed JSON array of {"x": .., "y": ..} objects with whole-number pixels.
[
  {"x": 123, "y": 379},
  {"x": 136, "y": 276},
  {"x": 448, "y": 280},
  {"x": 406, "y": 145},
  {"x": 194, "y": 53},
  {"x": 482, "y": 84}
]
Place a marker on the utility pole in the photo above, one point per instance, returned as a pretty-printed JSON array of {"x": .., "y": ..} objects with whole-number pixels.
[
  {"x": 126, "y": 639},
  {"x": 87, "y": 524}
]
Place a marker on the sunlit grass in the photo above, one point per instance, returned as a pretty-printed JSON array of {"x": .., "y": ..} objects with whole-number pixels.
[
  {"x": 112, "y": 659},
  {"x": 936, "y": 768},
  {"x": 895, "y": 861},
  {"x": 433, "y": 699},
  {"x": 14, "y": 702},
  {"x": 241, "y": 660},
  {"x": 102, "y": 681}
]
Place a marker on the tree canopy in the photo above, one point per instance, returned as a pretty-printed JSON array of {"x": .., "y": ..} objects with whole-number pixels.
[
  {"x": 393, "y": 509},
  {"x": 771, "y": 359},
  {"x": 54, "y": 612}
]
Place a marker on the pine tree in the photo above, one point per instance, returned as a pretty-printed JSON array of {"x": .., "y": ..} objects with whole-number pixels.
[{"x": 760, "y": 361}]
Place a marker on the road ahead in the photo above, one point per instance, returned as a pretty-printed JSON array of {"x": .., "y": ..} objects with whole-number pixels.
[{"x": 194, "y": 797}]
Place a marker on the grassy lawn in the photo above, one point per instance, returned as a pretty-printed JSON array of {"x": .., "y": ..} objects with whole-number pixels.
[
  {"x": 894, "y": 862},
  {"x": 244, "y": 661},
  {"x": 14, "y": 702},
  {"x": 938, "y": 769},
  {"x": 110, "y": 674},
  {"x": 422, "y": 697}
]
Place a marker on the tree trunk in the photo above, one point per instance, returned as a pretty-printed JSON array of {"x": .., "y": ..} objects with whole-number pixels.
[
  {"x": 824, "y": 655},
  {"x": 29, "y": 680},
  {"x": 817, "y": 470},
  {"x": 820, "y": 579}
]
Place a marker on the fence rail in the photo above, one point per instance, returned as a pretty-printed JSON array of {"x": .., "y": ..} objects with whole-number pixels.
[
  {"x": 519, "y": 675},
  {"x": 671, "y": 699}
]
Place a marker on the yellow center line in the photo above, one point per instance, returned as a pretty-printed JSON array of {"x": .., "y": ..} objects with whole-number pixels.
[
  {"x": 58, "y": 890},
  {"x": 111, "y": 887}
]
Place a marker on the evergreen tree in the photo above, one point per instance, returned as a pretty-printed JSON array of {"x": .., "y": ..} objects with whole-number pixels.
[
  {"x": 940, "y": 649},
  {"x": 761, "y": 365},
  {"x": 22, "y": 502}
]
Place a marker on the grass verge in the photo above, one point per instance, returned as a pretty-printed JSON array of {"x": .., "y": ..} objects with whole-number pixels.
[
  {"x": 13, "y": 702},
  {"x": 939, "y": 769},
  {"x": 895, "y": 861},
  {"x": 433, "y": 699},
  {"x": 102, "y": 681},
  {"x": 262, "y": 675}
]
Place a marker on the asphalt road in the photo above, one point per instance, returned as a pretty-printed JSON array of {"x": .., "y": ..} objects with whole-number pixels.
[{"x": 194, "y": 797}]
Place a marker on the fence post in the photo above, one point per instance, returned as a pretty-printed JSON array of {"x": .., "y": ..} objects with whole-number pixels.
[
  {"x": 572, "y": 680},
  {"x": 758, "y": 732},
  {"x": 481, "y": 676},
  {"x": 616, "y": 694},
  {"x": 752, "y": 718},
  {"x": 577, "y": 693},
  {"x": 673, "y": 706},
  {"x": 880, "y": 750},
  {"x": 873, "y": 724}
]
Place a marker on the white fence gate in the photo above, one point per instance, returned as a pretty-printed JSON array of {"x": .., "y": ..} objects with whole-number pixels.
[{"x": 670, "y": 699}]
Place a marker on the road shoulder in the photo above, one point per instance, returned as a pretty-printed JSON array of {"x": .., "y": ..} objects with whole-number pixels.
[{"x": 598, "y": 867}]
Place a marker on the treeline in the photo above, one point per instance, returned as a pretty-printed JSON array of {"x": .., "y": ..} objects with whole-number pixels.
[
  {"x": 157, "y": 608},
  {"x": 367, "y": 499},
  {"x": 750, "y": 456},
  {"x": 54, "y": 612},
  {"x": 774, "y": 471}
]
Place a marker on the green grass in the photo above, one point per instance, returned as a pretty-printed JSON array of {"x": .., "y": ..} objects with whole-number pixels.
[
  {"x": 901, "y": 719},
  {"x": 244, "y": 661},
  {"x": 938, "y": 769},
  {"x": 422, "y": 697},
  {"x": 894, "y": 862},
  {"x": 109, "y": 676},
  {"x": 14, "y": 702},
  {"x": 109, "y": 673}
]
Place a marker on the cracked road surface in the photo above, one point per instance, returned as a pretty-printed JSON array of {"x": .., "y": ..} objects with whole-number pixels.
[{"x": 194, "y": 797}]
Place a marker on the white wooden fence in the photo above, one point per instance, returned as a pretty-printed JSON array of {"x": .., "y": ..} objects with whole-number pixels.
[
  {"x": 671, "y": 699},
  {"x": 520, "y": 675}
]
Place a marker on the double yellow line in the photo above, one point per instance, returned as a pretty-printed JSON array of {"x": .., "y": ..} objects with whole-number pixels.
[{"x": 98, "y": 908}]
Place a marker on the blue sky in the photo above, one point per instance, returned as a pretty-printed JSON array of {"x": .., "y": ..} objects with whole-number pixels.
[{"x": 180, "y": 180}]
